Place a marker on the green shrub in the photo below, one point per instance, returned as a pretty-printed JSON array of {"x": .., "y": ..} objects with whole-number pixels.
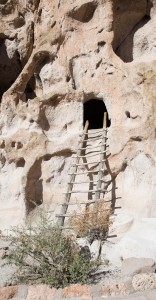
[{"x": 44, "y": 254}]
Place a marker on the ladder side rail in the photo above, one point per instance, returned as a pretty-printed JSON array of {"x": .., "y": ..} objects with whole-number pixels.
[
  {"x": 72, "y": 179},
  {"x": 102, "y": 159}
]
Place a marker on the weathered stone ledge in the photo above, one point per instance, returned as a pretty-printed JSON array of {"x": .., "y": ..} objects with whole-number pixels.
[{"x": 73, "y": 292}]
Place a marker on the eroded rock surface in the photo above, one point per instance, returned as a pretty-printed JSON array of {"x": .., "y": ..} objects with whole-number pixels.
[{"x": 55, "y": 56}]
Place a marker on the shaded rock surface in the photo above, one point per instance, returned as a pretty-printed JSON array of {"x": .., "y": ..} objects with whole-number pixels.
[{"x": 132, "y": 266}]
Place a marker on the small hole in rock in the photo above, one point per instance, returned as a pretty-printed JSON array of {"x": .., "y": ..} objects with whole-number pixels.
[
  {"x": 53, "y": 24},
  {"x": 13, "y": 144},
  {"x": 30, "y": 90},
  {"x": 19, "y": 145},
  {"x": 100, "y": 30},
  {"x": 136, "y": 138},
  {"x": 65, "y": 127},
  {"x": 20, "y": 163},
  {"x": 101, "y": 44},
  {"x": 127, "y": 113},
  {"x": 40, "y": 12},
  {"x": 67, "y": 78},
  {"x": 98, "y": 63},
  {"x": 2, "y": 145},
  {"x": 47, "y": 157}
]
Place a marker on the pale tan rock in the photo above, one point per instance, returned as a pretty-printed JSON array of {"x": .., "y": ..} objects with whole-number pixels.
[
  {"x": 7, "y": 293},
  {"x": 77, "y": 290},
  {"x": 40, "y": 292},
  {"x": 115, "y": 289}
]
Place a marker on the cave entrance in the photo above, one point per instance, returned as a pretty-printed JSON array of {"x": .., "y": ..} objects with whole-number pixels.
[{"x": 94, "y": 112}]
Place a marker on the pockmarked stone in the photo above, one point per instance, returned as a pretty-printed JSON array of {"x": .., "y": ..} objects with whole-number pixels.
[{"x": 143, "y": 282}]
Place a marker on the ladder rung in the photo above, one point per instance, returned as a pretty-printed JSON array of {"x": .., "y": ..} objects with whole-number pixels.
[
  {"x": 81, "y": 156},
  {"x": 87, "y": 182},
  {"x": 93, "y": 132},
  {"x": 84, "y": 202},
  {"x": 92, "y": 147},
  {"x": 92, "y": 150},
  {"x": 94, "y": 136},
  {"x": 84, "y": 164},
  {"x": 81, "y": 214},
  {"x": 81, "y": 182},
  {"x": 103, "y": 179},
  {"x": 80, "y": 203},
  {"x": 93, "y": 139},
  {"x": 86, "y": 172},
  {"x": 72, "y": 228},
  {"x": 89, "y": 191}
]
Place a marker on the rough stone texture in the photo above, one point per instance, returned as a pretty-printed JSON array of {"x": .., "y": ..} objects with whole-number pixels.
[
  {"x": 113, "y": 290},
  {"x": 77, "y": 290},
  {"x": 132, "y": 265},
  {"x": 142, "y": 282},
  {"x": 6, "y": 271},
  {"x": 95, "y": 249},
  {"x": 21, "y": 293},
  {"x": 7, "y": 293},
  {"x": 40, "y": 292},
  {"x": 55, "y": 56},
  {"x": 151, "y": 295},
  {"x": 46, "y": 293}
]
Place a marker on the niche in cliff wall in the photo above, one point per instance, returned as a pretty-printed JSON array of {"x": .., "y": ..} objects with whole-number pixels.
[
  {"x": 43, "y": 179},
  {"x": 34, "y": 87},
  {"x": 129, "y": 18},
  {"x": 10, "y": 65},
  {"x": 34, "y": 187}
]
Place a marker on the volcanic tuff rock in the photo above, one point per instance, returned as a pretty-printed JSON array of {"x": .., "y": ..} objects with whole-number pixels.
[{"x": 55, "y": 56}]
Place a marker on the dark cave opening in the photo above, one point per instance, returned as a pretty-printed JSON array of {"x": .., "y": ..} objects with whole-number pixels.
[
  {"x": 10, "y": 66},
  {"x": 30, "y": 89},
  {"x": 94, "y": 112}
]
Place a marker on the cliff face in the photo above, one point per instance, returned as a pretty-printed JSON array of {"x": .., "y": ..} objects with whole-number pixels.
[{"x": 55, "y": 56}]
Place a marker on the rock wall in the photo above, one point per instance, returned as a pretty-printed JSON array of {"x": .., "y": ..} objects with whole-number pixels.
[{"x": 55, "y": 56}]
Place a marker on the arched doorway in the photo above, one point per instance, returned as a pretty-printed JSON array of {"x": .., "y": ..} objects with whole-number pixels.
[{"x": 93, "y": 112}]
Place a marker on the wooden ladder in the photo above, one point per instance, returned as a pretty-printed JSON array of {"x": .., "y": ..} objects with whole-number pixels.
[{"x": 81, "y": 153}]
